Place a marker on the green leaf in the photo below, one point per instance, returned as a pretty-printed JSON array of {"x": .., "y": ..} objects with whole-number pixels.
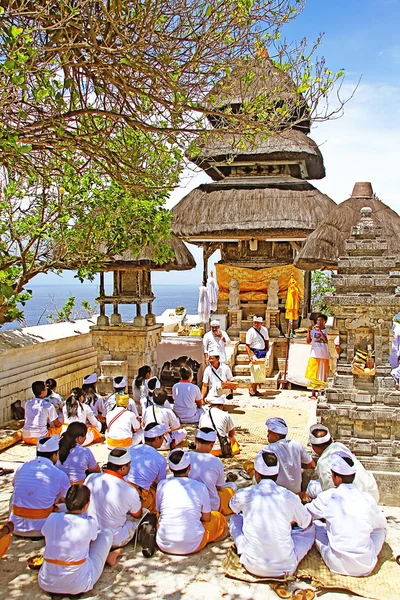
[{"x": 15, "y": 31}]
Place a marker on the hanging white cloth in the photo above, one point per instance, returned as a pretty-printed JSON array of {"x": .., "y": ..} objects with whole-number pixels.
[
  {"x": 212, "y": 292},
  {"x": 203, "y": 308}
]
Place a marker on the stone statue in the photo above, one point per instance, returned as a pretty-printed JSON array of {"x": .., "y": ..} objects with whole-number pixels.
[
  {"x": 273, "y": 289},
  {"x": 234, "y": 297}
]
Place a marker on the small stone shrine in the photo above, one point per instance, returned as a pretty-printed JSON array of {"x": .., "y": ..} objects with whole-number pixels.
[{"x": 361, "y": 409}]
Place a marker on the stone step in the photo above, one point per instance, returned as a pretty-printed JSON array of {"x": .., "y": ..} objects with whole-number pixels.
[
  {"x": 242, "y": 359},
  {"x": 271, "y": 383},
  {"x": 241, "y": 348},
  {"x": 241, "y": 370}
]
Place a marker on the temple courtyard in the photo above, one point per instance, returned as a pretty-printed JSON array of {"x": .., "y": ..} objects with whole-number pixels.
[{"x": 202, "y": 575}]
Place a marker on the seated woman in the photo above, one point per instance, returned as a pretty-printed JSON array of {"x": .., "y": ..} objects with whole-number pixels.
[
  {"x": 53, "y": 397},
  {"x": 139, "y": 388},
  {"x": 77, "y": 462},
  {"x": 75, "y": 552},
  {"x": 76, "y": 410},
  {"x": 216, "y": 418}
]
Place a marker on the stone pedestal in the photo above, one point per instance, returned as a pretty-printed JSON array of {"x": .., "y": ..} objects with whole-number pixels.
[
  {"x": 271, "y": 321},
  {"x": 235, "y": 323},
  {"x": 135, "y": 345},
  {"x": 108, "y": 370}
]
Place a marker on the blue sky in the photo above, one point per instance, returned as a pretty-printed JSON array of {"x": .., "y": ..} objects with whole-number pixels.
[{"x": 362, "y": 37}]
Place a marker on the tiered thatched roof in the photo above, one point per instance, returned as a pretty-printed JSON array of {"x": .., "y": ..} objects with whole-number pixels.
[
  {"x": 273, "y": 207},
  {"x": 324, "y": 246}
]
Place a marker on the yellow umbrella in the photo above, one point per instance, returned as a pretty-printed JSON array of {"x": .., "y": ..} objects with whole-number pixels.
[{"x": 292, "y": 300}]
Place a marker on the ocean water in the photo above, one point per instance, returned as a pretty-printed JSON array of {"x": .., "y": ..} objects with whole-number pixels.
[{"x": 47, "y": 299}]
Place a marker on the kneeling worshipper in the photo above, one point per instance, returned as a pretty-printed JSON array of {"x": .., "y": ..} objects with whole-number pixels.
[
  {"x": 188, "y": 399},
  {"x": 40, "y": 416},
  {"x": 186, "y": 523},
  {"x": 217, "y": 378},
  {"x": 148, "y": 467},
  {"x": 38, "y": 486},
  {"x": 324, "y": 446},
  {"x": 318, "y": 363},
  {"x": 159, "y": 413},
  {"x": 5, "y": 537},
  {"x": 216, "y": 418},
  {"x": 257, "y": 345},
  {"x": 209, "y": 470},
  {"x": 75, "y": 410},
  {"x": 123, "y": 428},
  {"x": 75, "y": 552},
  {"x": 116, "y": 504},
  {"x": 267, "y": 544},
  {"x": 75, "y": 460},
  {"x": 354, "y": 528}
]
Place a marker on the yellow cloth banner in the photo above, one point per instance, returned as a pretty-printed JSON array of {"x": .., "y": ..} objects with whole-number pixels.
[
  {"x": 292, "y": 300},
  {"x": 254, "y": 282}
]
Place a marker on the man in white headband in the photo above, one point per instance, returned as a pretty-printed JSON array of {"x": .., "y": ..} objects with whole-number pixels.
[
  {"x": 215, "y": 341},
  {"x": 186, "y": 522},
  {"x": 90, "y": 379},
  {"x": 148, "y": 467},
  {"x": 354, "y": 528},
  {"x": 257, "y": 346},
  {"x": 188, "y": 401},
  {"x": 216, "y": 418},
  {"x": 40, "y": 416},
  {"x": 160, "y": 412},
  {"x": 209, "y": 470},
  {"x": 38, "y": 486},
  {"x": 261, "y": 527},
  {"x": 323, "y": 446}
]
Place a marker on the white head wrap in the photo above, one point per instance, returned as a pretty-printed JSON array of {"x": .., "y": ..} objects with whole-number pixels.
[
  {"x": 121, "y": 384},
  {"x": 264, "y": 469},
  {"x": 157, "y": 385},
  {"x": 215, "y": 323},
  {"x": 52, "y": 444},
  {"x": 156, "y": 431},
  {"x": 340, "y": 466},
  {"x": 217, "y": 399},
  {"x": 183, "y": 464},
  {"x": 211, "y": 436},
  {"x": 90, "y": 379},
  {"x": 277, "y": 425},
  {"x": 316, "y": 441},
  {"x": 120, "y": 460},
  {"x": 257, "y": 319}
]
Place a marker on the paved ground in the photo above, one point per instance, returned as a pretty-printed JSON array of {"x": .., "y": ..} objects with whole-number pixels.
[{"x": 195, "y": 577}]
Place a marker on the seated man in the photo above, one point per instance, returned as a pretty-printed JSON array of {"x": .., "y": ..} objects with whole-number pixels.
[
  {"x": 148, "y": 467},
  {"x": 216, "y": 418},
  {"x": 209, "y": 470},
  {"x": 217, "y": 378},
  {"x": 188, "y": 401},
  {"x": 75, "y": 552},
  {"x": 40, "y": 416},
  {"x": 159, "y": 413},
  {"x": 38, "y": 486},
  {"x": 186, "y": 523},
  {"x": 119, "y": 385},
  {"x": 263, "y": 534},
  {"x": 324, "y": 446},
  {"x": 355, "y": 528},
  {"x": 291, "y": 455},
  {"x": 123, "y": 428}
]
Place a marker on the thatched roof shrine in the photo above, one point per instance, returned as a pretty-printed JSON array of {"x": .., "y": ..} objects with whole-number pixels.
[{"x": 326, "y": 244}]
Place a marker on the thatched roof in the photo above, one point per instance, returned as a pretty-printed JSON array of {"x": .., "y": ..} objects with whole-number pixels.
[
  {"x": 274, "y": 207},
  {"x": 183, "y": 260},
  {"x": 324, "y": 246},
  {"x": 287, "y": 145}
]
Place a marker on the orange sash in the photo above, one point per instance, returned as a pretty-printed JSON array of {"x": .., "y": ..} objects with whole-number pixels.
[
  {"x": 63, "y": 563},
  {"x": 124, "y": 443},
  {"x": 77, "y": 482},
  {"x": 31, "y": 513}
]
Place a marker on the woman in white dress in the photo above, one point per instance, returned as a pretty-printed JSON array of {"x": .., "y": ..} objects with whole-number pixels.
[{"x": 75, "y": 409}]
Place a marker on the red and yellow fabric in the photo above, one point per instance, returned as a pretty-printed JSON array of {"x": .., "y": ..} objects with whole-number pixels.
[
  {"x": 292, "y": 300},
  {"x": 32, "y": 513},
  {"x": 54, "y": 561},
  {"x": 122, "y": 443},
  {"x": 234, "y": 445},
  {"x": 32, "y": 441},
  {"x": 147, "y": 497},
  {"x": 317, "y": 373},
  {"x": 5, "y": 539},
  {"x": 254, "y": 282},
  {"x": 214, "y": 529},
  {"x": 81, "y": 482},
  {"x": 224, "y": 496}
]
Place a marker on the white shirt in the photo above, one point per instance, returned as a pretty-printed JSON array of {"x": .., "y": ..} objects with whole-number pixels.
[
  {"x": 56, "y": 400},
  {"x": 212, "y": 377},
  {"x": 253, "y": 339},
  {"x": 185, "y": 395},
  {"x": 77, "y": 462},
  {"x": 39, "y": 412},
  {"x": 268, "y": 510},
  {"x": 209, "y": 470},
  {"x": 180, "y": 502},
  {"x": 121, "y": 428},
  {"x": 211, "y": 344},
  {"x": 319, "y": 348},
  {"x": 147, "y": 466},
  {"x": 291, "y": 456},
  {"x": 350, "y": 516},
  {"x": 161, "y": 414},
  {"x": 364, "y": 480},
  {"x": 84, "y": 415},
  {"x": 37, "y": 484},
  {"x": 111, "y": 500},
  {"x": 68, "y": 538},
  {"x": 222, "y": 420}
]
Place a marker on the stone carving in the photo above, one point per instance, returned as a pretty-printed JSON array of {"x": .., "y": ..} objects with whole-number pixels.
[
  {"x": 234, "y": 295},
  {"x": 364, "y": 321},
  {"x": 273, "y": 289}
]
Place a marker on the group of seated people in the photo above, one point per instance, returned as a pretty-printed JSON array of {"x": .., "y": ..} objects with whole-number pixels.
[{"x": 181, "y": 503}]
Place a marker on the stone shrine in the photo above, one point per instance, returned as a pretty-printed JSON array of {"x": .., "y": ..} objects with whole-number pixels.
[{"x": 363, "y": 410}]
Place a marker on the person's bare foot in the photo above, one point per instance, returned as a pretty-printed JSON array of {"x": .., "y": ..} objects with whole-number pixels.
[{"x": 113, "y": 557}]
